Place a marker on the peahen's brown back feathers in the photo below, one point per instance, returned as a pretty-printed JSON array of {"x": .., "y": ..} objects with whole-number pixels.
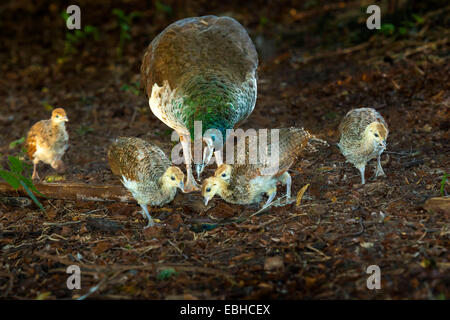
[{"x": 192, "y": 45}]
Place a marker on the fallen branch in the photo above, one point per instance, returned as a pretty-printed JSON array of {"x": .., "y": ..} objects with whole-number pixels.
[{"x": 74, "y": 191}]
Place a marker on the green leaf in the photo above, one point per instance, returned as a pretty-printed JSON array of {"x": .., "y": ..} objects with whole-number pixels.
[
  {"x": 387, "y": 28},
  {"x": 10, "y": 178},
  {"x": 444, "y": 178},
  {"x": 32, "y": 196},
  {"x": 13, "y": 144},
  {"x": 15, "y": 165},
  {"x": 166, "y": 273},
  {"x": 31, "y": 185},
  {"x": 163, "y": 7},
  {"x": 65, "y": 15},
  {"x": 419, "y": 19}
]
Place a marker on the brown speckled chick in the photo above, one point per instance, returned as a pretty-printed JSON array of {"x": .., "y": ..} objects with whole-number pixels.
[
  {"x": 146, "y": 172},
  {"x": 247, "y": 183},
  {"x": 363, "y": 137},
  {"x": 47, "y": 141}
]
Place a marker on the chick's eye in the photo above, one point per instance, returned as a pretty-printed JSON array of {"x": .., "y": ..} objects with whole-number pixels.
[
  {"x": 208, "y": 189},
  {"x": 57, "y": 116},
  {"x": 172, "y": 177},
  {"x": 376, "y": 135},
  {"x": 224, "y": 175}
]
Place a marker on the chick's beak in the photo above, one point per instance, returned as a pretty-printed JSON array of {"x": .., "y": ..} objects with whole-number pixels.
[
  {"x": 65, "y": 119},
  {"x": 181, "y": 185},
  {"x": 206, "y": 200}
]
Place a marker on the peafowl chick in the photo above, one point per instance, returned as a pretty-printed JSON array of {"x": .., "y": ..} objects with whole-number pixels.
[
  {"x": 363, "y": 137},
  {"x": 247, "y": 183},
  {"x": 47, "y": 141},
  {"x": 201, "y": 70},
  {"x": 146, "y": 172}
]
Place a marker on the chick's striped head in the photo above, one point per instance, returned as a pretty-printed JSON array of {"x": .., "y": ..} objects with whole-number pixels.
[
  {"x": 223, "y": 172},
  {"x": 59, "y": 115},
  {"x": 376, "y": 134},
  {"x": 210, "y": 187},
  {"x": 173, "y": 177}
]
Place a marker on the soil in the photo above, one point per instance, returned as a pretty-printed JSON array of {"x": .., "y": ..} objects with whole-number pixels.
[{"x": 310, "y": 75}]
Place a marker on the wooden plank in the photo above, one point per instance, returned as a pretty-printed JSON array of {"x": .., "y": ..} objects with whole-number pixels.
[{"x": 74, "y": 191}]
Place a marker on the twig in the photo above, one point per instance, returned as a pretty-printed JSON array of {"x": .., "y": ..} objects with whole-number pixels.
[
  {"x": 318, "y": 251},
  {"x": 92, "y": 290},
  {"x": 61, "y": 224}
]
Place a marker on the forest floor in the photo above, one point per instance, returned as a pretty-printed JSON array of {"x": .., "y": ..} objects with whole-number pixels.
[{"x": 319, "y": 249}]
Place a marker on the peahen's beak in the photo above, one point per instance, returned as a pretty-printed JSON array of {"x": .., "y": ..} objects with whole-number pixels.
[{"x": 207, "y": 155}]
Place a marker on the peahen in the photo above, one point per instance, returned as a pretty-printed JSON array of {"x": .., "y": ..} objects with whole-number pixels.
[{"x": 201, "y": 69}]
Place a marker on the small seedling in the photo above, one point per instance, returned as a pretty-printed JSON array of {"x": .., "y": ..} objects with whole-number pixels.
[
  {"x": 164, "y": 8},
  {"x": 15, "y": 178},
  {"x": 124, "y": 21},
  {"x": 84, "y": 130},
  {"x": 165, "y": 274},
  {"x": 444, "y": 179},
  {"x": 17, "y": 142},
  {"x": 75, "y": 37},
  {"x": 134, "y": 88}
]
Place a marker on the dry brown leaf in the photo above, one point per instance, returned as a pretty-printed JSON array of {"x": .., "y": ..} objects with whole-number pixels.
[
  {"x": 101, "y": 247},
  {"x": 300, "y": 194}
]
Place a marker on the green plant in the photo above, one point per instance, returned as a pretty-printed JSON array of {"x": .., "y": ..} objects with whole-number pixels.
[
  {"x": 17, "y": 142},
  {"x": 164, "y": 8},
  {"x": 444, "y": 179},
  {"x": 75, "y": 37},
  {"x": 402, "y": 28},
  {"x": 165, "y": 274},
  {"x": 124, "y": 21},
  {"x": 134, "y": 88},
  {"x": 15, "y": 178},
  {"x": 83, "y": 130}
]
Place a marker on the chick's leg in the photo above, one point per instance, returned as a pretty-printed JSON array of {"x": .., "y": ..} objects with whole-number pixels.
[
  {"x": 362, "y": 171},
  {"x": 286, "y": 179},
  {"x": 146, "y": 214},
  {"x": 271, "y": 193},
  {"x": 379, "y": 171},
  {"x": 35, "y": 175},
  {"x": 191, "y": 184}
]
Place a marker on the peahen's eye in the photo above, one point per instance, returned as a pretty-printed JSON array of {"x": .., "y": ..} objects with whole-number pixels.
[
  {"x": 208, "y": 189},
  {"x": 172, "y": 177},
  {"x": 376, "y": 135}
]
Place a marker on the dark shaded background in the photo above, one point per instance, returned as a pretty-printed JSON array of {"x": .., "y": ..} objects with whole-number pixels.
[{"x": 317, "y": 61}]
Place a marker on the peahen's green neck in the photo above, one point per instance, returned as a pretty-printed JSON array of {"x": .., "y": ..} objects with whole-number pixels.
[{"x": 212, "y": 100}]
